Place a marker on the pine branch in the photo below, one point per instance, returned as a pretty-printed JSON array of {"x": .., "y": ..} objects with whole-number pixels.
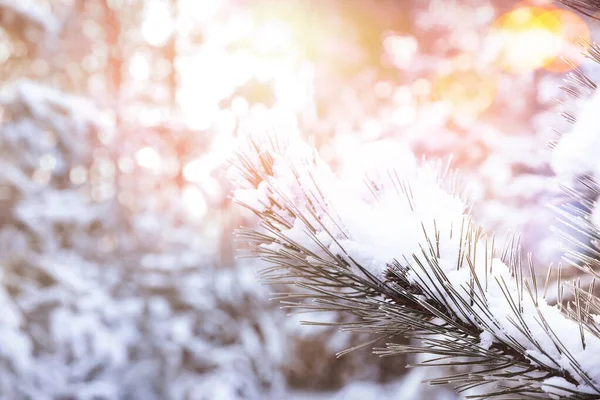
[
  {"x": 590, "y": 8},
  {"x": 579, "y": 233},
  {"x": 404, "y": 257}
]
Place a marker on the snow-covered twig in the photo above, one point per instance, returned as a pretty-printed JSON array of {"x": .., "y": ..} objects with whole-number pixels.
[{"x": 402, "y": 254}]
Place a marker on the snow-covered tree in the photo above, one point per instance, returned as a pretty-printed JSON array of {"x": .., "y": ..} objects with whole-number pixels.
[{"x": 398, "y": 248}]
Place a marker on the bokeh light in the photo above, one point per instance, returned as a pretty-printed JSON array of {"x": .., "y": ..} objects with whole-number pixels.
[
  {"x": 158, "y": 24},
  {"x": 148, "y": 158},
  {"x": 194, "y": 202},
  {"x": 531, "y": 37},
  {"x": 468, "y": 92}
]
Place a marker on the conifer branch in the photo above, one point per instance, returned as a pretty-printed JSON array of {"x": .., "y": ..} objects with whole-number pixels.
[
  {"x": 405, "y": 258},
  {"x": 590, "y": 8}
]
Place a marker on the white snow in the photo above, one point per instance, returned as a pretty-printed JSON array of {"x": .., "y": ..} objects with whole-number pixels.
[
  {"x": 487, "y": 339},
  {"x": 577, "y": 151},
  {"x": 254, "y": 198}
]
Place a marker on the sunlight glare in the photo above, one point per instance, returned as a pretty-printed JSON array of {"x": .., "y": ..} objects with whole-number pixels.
[
  {"x": 139, "y": 67},
  {"x": 272, "y": 36},
  {"x": 200, "y": 10},
  {"x": 225, "y": 122},
  {"x": 157, "y": 24},
  {"x": 148, "y": 158},
  {"x": 194, "y": 202},
  {"x": 239, "y": 26},
  {"x": 222, "y": 148},
  {"x": 294, "y": 89},
  {"x": 401, "y": 50},
  {"x": 197, "y": 170},
  {"x": 573, "y": 31},
  {"x": 240, "y": 106},
  {"x": 530, "y": 38}
]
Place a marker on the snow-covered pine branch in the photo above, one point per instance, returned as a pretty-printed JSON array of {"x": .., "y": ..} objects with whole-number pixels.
[
  {"x": 402, "y": 254},
  {"x": 575, "y": 160}
]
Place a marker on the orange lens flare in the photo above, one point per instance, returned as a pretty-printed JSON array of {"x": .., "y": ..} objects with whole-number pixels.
[
  {"x": 531, "y": 38},
  {"x": 574, "y": 30}
]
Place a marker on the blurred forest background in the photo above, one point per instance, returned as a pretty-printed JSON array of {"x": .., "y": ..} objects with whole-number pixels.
[{"x": 118, "y": 270}]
